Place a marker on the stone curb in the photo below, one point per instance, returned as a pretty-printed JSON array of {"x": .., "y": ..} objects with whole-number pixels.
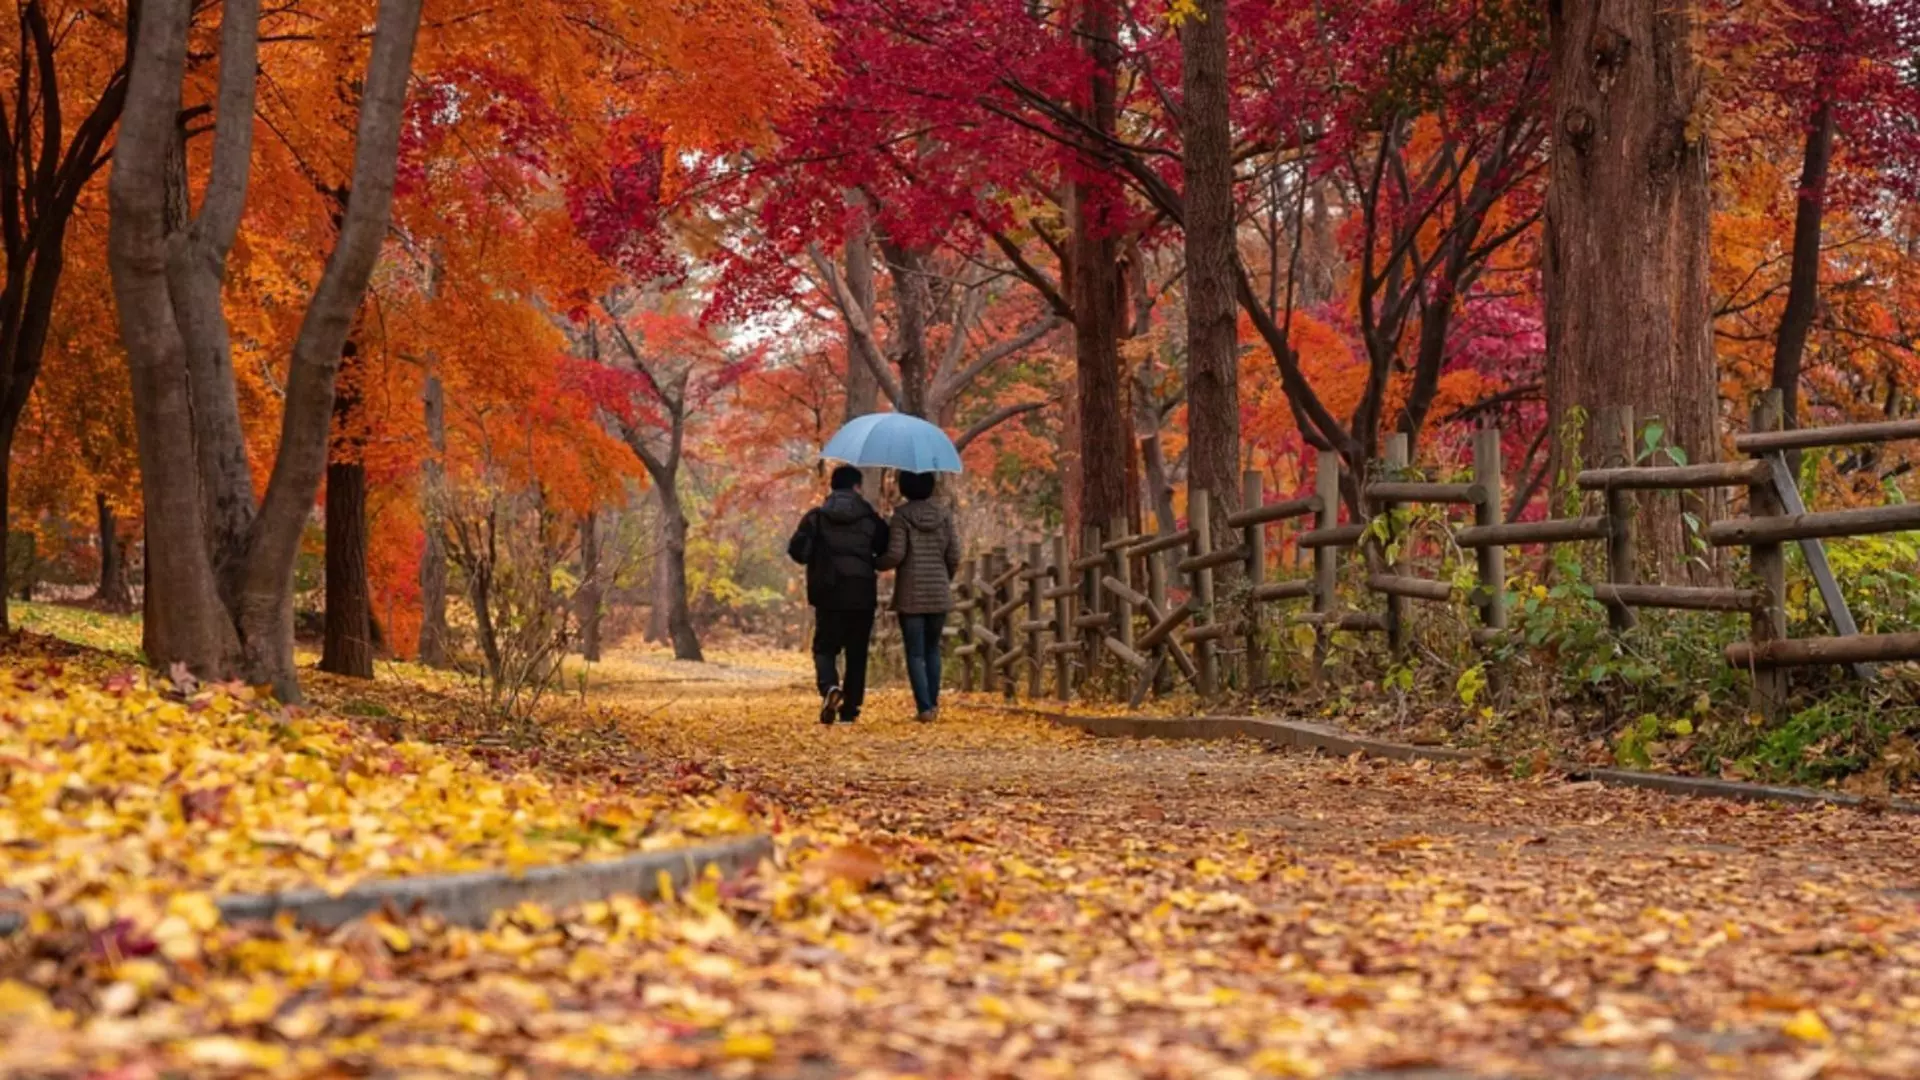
[
  {"x": 470, "y": 898},
  {"x": 1306, "y": 735}
]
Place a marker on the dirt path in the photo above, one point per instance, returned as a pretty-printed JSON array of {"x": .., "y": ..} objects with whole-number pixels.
[{"x": 1054, "y": 905}]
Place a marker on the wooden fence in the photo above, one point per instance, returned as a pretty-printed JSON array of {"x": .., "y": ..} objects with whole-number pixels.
[{"x": 1146, "y": 605}]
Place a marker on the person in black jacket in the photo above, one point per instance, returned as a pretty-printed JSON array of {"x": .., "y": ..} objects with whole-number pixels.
[{"x": 840, "y": 543}]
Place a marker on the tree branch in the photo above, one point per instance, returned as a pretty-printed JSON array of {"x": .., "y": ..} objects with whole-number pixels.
[{"x": 994, "y": 419}]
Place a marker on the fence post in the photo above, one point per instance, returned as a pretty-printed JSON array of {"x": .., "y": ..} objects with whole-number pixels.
[
  {"x": 1123, "y": 573},
  {"x": 996, "y": 565},
  {"x": 1090, "y": 603},
  {"x": 1253, "y": 495},
  {"x": 1036, "y": 660},
  {"x": 1614, "y": 428},
  {"x": 1770, "y": 570},
  {"x": 1326, "y": 560},
  {"x": 1200, "y": 519},
  {"x": 1398, "y": 458},
  {"x": 1157, "y": 592},
  {"x": 968, "y": 588},
  {"x": 1492, "y": 558},
  {"x": 1062, "y": 621}
]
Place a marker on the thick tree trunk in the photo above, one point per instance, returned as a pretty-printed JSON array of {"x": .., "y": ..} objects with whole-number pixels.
[
  {"x": 673, "y": 551},
  {"x": 433, "y": 558},
  {"x": 1213, "y": 376},
  {"x": 1098, "y": 295},
  {"x": 113, "y": 592},
  {"x": 186, "y": 624},
  {"x": 266, "y": 603},
  {"x": 590, "y": 587},
  {"x": 1803, "y": 283},
  {"x": 1627, "y": 231},
  {"x": 347, "y": 638}
]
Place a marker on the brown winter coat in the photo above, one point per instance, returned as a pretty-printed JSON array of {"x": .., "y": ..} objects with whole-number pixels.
[{"x": 923, "y": 547}]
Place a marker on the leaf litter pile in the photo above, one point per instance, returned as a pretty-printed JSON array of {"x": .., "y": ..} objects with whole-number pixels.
[{"x": 991, "y": 896}]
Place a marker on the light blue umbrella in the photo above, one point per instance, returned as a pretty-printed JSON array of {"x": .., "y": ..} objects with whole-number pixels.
[{"x": 893, "y": 441}]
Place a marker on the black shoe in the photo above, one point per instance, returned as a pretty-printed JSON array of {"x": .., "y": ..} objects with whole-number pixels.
[
  {"x": 830, "y": 705},
  {"x": 847, "y": 718}
]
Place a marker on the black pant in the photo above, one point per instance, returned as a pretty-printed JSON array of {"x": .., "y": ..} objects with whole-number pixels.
[{"x": 835, "y": 632}]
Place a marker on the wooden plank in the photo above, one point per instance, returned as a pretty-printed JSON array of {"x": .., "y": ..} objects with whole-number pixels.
[
  {"x": 1398, "y": 491},
  {"x": 1007, "y": 660},
  {"x": 1558, "y": 531},
  {"x": 1399, "y": 637},
  {"x": 1772, "y": 442},
  {"x": 1060, "y": 592},
  {"x": 1033, "y": 626},
  {"x": 1062, "y": 648},
  {"x": 1408, "y": 587},
  {"x": 1353, "y": 622},
  {"x": 1114, "y": 586},
  {"x": 1124, "y": 542},
  {"x": 1266, "y": 513},
  {"x": 1006, "y": 577},
  {"x": 1087, "y": 562},
  {"x": 1274, "y": 591},
  {"x": 1815, "y": 553},
  {"x": 1154, "y": 546},
  {"x": 1796, "y": 652},
  {"x": 1006, "y": 610},
  {"x": 1779, "y": 529},
  {"x": 1200, "y": 513},
  {"x": 1213, "y": 559},
  {"x": 1208, "y": 633},
  {"x": 1165, "y": 627},
  {"x": 1093, "y": 621},
  {"x": 1682, "y": 597},
  {"x": 1714, "y": 474},
  {"x": 1337, "y": 536},
  {"x": 1127, "y": 656}
]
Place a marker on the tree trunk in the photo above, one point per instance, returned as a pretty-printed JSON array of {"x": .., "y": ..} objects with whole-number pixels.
[
  {"x": 347, "y": 639},
  {"x": 433, "y": 559},
  {"x": 1627, "y": 231},
  {"x": 113, "y": 592},
  {"x": 863, "y": 389},
  {"x": 1098, "y": 300},
  {"x": 913, "y": 310},
  {"x": 186, "y": 624},
  {"x": 590, "y": 587},
  {"x": 1213, "y": 376},
  {"x": 1803, "y": 283},
  {"x": 673, "y": 550}
]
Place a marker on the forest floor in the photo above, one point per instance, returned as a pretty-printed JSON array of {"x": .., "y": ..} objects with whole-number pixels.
[{"x": 994, "y": 896}]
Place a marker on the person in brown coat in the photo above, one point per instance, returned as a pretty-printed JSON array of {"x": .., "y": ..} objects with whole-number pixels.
[{"x": 924, "y": 550}]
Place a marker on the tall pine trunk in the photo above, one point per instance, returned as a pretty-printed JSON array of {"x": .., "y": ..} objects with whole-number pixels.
[
  {"x": 1098, "y": 290},
  {"x": 1627, "y": 233},
  {"x": 1213, "y": 375}
]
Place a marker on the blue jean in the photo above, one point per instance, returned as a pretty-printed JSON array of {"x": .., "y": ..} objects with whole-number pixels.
[{"x": 921, "y": 634}]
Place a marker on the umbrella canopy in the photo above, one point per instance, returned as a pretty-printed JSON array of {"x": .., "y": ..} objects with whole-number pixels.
[{"x": 893, "y": 441}]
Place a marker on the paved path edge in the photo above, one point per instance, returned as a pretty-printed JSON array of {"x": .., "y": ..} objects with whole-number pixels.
[
  {"x": 471, "y": 898},
  {"x": 1307, "y": 735}
]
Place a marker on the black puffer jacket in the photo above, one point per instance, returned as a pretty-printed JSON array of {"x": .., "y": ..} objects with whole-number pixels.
[{"x": 840, "y": 542}]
